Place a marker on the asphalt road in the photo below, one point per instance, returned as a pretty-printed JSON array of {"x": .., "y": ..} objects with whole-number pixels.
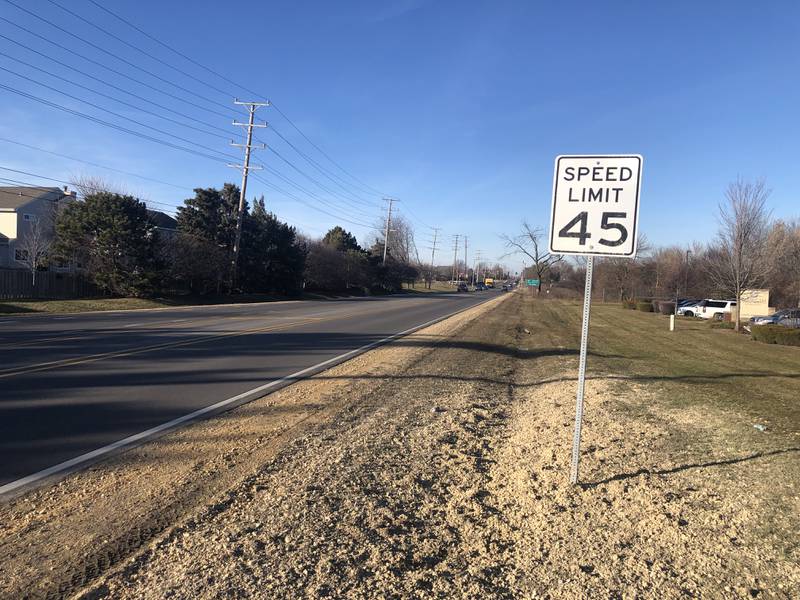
[{"x": 71, "y": 384}]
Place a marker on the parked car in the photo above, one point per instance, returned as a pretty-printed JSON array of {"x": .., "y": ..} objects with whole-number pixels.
[
  {"x": 708, "y": 309},
  {"x": 788, "y": 317},
  {"x": 505, "y": 287},
  {"x": 462, "y": 287},
  {"x": 479, "y": 287}
]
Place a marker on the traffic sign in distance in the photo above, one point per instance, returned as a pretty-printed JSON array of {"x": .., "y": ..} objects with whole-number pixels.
[
  {"x": 532, "y": 282},
  {"x": 596, "y": 205}
]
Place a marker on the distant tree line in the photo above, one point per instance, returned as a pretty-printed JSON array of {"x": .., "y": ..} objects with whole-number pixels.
[
  {"x": 750, "y": 250},
  {"x": 116, "y": 242}
]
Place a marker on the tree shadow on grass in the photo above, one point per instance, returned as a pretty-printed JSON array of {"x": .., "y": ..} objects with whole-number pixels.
[{"x": 698, "y": 465}]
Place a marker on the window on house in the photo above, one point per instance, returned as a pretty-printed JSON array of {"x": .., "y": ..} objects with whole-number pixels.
[{"x": 20, "y": 255}]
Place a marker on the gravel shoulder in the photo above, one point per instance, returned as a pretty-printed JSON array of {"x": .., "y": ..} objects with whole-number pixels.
[
  {"x": 56, "y": 540},
  {"x": 437, "y": 468}
]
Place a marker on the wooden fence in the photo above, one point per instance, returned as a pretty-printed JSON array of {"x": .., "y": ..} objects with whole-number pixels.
[{"x": 18, "y": 284}]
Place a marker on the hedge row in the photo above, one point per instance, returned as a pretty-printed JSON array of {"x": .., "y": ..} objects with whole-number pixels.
[
  {"x": 664, "y": 307},
  {"x": 776, "y": 334}
]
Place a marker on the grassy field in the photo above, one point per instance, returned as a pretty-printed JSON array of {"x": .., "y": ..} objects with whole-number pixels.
[
  {"x": 96, "y": 304},
  {"x": 695, "y": 363}
]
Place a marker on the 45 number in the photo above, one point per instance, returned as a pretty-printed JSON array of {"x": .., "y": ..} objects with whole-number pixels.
[{"x": 581, "y": 221}]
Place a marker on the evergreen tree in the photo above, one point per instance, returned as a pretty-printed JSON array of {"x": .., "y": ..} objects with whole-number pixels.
[
  {"x": 342, "y": 240},
  {"x": 112, "y": 237},
  {"x": 272, "y": 259},
  {"x": 211, "y": 215}
]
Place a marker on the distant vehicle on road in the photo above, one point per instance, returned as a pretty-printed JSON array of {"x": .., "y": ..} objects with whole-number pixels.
[
  {"x": 489, "y": 282},
  {"x": 708, "y": 309},
  {"x": 505, "y": 287},
  {"x": 479, "y": 287},
  {"x": 788, "y": 317},
  {"x": 462, "y": 287}
]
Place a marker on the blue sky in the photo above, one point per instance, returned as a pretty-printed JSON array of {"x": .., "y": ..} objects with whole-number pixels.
[{"x": 456, "y": 108}]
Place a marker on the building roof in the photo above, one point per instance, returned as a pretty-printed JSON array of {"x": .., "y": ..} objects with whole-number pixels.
[
  {"x": 15, "y": 197},
  {"x": 162, "y": 220}
]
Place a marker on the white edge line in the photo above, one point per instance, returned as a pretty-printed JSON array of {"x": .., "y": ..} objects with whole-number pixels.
[{"x": 144, "y": 435}]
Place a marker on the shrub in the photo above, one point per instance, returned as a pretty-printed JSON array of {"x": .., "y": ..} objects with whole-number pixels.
[
  {"x": 666, "y": 308},
  {"x": 629, "y": 304},
  {"x": 722, "y": 324},
  {"x": 776, "y": 334},
  {"x": 644, "y": 306}
]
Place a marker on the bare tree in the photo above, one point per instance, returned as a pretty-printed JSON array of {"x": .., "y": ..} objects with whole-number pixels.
[
  {"x": 738, "y": 260},
  {"x": 92, "y": 184},
  {"x": 402, "y": 246},
  {"x": 34, "y": 247},
  {"x": 532, "y": 243}
]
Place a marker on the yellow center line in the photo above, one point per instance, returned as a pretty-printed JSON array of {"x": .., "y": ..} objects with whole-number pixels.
[{"x": 68, "y": 362}]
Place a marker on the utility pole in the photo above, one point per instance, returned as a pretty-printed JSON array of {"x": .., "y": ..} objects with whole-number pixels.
[
  {"x": 251, "y": 107},
  {"x": 455, "y": 256},
  {"x": 388, "y": 227},
  {"x": 466, "y": 264},
  {"x": 433, "y": 254},
  {"x": 476, "y": 266}
]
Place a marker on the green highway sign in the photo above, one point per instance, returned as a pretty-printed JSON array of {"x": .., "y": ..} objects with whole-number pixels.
[{"x": 532, "y": 282}]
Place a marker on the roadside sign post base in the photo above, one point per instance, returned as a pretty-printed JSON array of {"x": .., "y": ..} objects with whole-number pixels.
[
  {"x": 595, "y": 212},
  {"x": 587, "y": 306}
]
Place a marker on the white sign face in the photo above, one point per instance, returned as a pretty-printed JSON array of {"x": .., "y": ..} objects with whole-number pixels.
[{"x": 596, "y": 205}]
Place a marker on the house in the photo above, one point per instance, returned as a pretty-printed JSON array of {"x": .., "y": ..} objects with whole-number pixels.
[{"x": 21, "y": 210}]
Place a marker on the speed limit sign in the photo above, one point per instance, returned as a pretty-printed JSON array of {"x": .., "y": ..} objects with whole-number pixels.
[
  {"x": 596, "y": 205},
  {"x": 595, "y": 213}
]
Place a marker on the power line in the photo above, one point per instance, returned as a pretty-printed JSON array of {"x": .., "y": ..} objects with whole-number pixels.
[
  {"x": 106, "y": 123},
  {"x": 94, "y": 164},
  {"x": 308, "y": 204},
  {"x": 328, "y": 190},
  {"x": 321, "y": 151},
  {"x": 73, "y": 183},
  {"x": 113, "y": 70},
  {"x": 119, "y": 58},
  {"x": 188, "y": 58},
  {"x": 111, "y": 112},
  {"x": 104, "y": 95},
  {"x": 102, "y": 81},
  {"x": 137, "y": 48},
  {"x": 329, "y": 174}
]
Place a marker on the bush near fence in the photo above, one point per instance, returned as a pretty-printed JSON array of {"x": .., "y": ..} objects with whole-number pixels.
[
  {"x": 776, "y": 334},
  {"x": 666, "y": 307},
  {"x": 19, "y": 285},
  {"x": 646, "y": 306}
]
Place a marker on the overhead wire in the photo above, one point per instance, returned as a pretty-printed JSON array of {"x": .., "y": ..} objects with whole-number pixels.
[
  {"x": 114, "y": 98},
  {"x": 104, "y": 122},
  {"x": 327, "y": 173},
  {"x": 136, "y": 48},
  {"x": 77, "y": 184},
  {"x": 116, "y": 114},
  {"x": 188, "y": 58},
  {"x": 121, "y": 59},
  {"x": 106, "y": 83},
  {"x": 308, "y": 204},
  {"x": 94, "y": 164},
  {"x": 183, "y": 100}
]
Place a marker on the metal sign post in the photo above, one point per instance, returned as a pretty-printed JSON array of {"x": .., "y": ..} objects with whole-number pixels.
[
  {"x": 595, "y": 212},
  {"x": 587, "y": 306}
]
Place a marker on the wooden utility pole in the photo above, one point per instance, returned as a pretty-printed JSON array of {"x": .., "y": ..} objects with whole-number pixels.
[
  {"x": 388, "y": 227},
  {"x": 251, "y": 106}
]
